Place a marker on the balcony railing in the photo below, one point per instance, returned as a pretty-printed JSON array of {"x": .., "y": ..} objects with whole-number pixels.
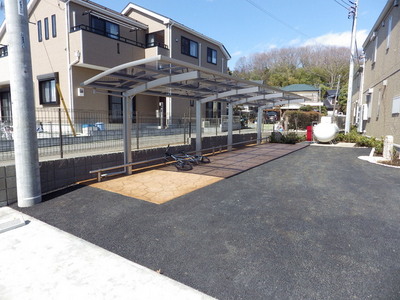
[
  {"x": 107, "y": 34},
  {"x": 3, "y": 51},
  {"x": 156, "y": 44}
]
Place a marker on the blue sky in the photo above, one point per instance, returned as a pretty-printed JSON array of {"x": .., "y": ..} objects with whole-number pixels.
[{"x": 249, "y": 26}]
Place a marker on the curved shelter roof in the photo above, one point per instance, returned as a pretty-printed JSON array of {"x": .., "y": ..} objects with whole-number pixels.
[{"x": 168, "y": 77}]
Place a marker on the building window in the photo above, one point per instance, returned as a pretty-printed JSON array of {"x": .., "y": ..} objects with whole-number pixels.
[
  {"x": 53, "y": 26},
  {"x": 39, "y": 29},
  {"x": 368, "y": 100},
  {"x": 5, "y": 106},
  {"x": 211, "y": 56},
  {"x": 375, "y": 50},
  {"x": 104, "y": 27},
  {"x": 46, "y": 28},
  {"x": 190, "y": 47},
  {"x": 116, "y": 108},
  {"x": 389, "y": 30},
  {"x": 47, "y": 88},
  {"x": 155, "y": 39},
  {"x": 396, "y": 105}
]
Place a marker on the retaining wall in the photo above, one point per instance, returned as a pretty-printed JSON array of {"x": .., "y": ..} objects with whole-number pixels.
[{"x": 60, "y": 173}]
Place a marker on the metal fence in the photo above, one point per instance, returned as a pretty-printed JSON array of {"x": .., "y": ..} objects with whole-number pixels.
[{"x": 93, "y": 132}]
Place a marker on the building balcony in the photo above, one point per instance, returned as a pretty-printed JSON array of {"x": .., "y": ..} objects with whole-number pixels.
[
  {"x": 101, "y": 50},
  {"x": 157, "y": 50}
]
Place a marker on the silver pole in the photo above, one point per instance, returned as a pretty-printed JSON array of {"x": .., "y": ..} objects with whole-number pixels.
[
  {"x": 260, "y": 113},
  {"x": 198, "y": 128},
  {"x": 127, "y": 132},
  {"x": 351, "y": 71},
  {"x": 23, "y": 104},
  {"x": 230, "y": 126}
]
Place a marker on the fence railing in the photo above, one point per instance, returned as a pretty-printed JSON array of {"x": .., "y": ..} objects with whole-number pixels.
[{"x": 102, "y": 132}]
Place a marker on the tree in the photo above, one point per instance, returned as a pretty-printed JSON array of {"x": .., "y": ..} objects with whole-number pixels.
[{"x": 312, "y": 65}]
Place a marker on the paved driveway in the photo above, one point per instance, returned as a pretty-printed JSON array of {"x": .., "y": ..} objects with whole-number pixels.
[{"x": 316, "y": 224}]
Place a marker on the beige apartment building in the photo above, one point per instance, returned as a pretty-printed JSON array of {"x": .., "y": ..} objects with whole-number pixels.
[
  {"x": 74, "y": 40},
  {"x": 376, "y": 93}
]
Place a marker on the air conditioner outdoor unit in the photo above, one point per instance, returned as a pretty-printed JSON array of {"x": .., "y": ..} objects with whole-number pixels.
[{"x": 396, "y": 3}]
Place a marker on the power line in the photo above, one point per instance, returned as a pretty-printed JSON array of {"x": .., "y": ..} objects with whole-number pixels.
[
  {"x": 345, "y": 7},
  {"x": 276, "y": 18}
]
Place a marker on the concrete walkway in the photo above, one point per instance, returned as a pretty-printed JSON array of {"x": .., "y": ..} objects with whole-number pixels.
[
  {"x": 166, "y": 183},
  {"x": 38, "y": 261}
]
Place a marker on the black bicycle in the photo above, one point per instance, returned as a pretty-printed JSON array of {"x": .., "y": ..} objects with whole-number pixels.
[
  {"x": 181, "y": 163},
  {"x": 194, "y": 159}
]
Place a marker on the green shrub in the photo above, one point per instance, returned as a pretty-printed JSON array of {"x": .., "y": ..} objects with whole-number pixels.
[
  {"x": 289, "y": 138},
  {"x": 361, "y": 141},
  {"x": 302, "y": 118}
]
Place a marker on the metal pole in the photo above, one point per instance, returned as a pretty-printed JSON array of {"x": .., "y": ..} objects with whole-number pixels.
[
  {"x": 351, "y": 71},
  {"x": 198, "y": 127},
  {"x": 127, "y": 108},
  {"x": 230, "y": 126},
  {"x": 60, "y": 134},
  {"x": 335, "y": 101},
  {"x": 259, "y": 123},
  {"x": 23, "y": 104},
  {"x": 137, "y": 130}
]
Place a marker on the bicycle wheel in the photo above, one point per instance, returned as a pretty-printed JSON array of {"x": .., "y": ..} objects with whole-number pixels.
[
  {"x": 205, "y": 160},
  {"x": 183, "y": 165}
]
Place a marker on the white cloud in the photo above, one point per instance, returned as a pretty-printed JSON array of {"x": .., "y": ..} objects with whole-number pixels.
[{"x": 341, "y": 39}]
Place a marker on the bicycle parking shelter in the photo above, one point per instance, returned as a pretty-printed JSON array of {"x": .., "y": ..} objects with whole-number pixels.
[{"x": 167, "y": 77}]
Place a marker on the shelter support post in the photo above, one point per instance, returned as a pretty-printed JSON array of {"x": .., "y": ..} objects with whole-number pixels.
[
  {"x": 198, "y": 128},
  {"x": 260, "y": 120},
  {"x": 127, "y": 107},
  {"x": 230, "y": 126},
  {"x": 259, "y": 124}
]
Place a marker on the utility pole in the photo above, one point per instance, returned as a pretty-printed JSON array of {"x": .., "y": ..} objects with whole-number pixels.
[
  {"x": 23, "y": 104},
  {"x": 334, "y": 116},
  {"x": 353, "y": 11}
]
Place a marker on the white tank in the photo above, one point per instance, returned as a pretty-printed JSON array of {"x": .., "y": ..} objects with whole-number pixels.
[{"x": 325, "y": 132}]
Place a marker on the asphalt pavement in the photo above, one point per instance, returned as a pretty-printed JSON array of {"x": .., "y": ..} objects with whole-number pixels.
[{"x": 316, "y": 224}]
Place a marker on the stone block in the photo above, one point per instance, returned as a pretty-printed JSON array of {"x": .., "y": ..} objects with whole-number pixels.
[
  {"x": 3, "y": 195},
  {"x": 10, "y": 171},
  {"x": 3, "y": 185},
  {"x": 11, "y": 182},
  {"x": 12, "y": 195},
  {"x": 2, "y": 172}
]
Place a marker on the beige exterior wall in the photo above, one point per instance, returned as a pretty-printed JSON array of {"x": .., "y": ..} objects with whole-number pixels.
[
  {"x": 382, "y": 75},
  {"x": 177, "y": 34},
  {"x": 312, "y": 95},
  {"x": 4, "y": 77},
  {"x": 91, "y": 53},
  {"x": 49, "y": 56}
]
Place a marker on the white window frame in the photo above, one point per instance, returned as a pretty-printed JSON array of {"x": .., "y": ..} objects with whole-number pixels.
[
  {"x": 368, "y": 101},
  {"x": 389, "y": 31},
  {"x": 396, "y": 105},
  {"x": 375, "y": 49}
]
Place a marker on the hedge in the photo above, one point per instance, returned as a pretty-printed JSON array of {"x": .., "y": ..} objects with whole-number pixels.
[{"x": 304, "y": 119}]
